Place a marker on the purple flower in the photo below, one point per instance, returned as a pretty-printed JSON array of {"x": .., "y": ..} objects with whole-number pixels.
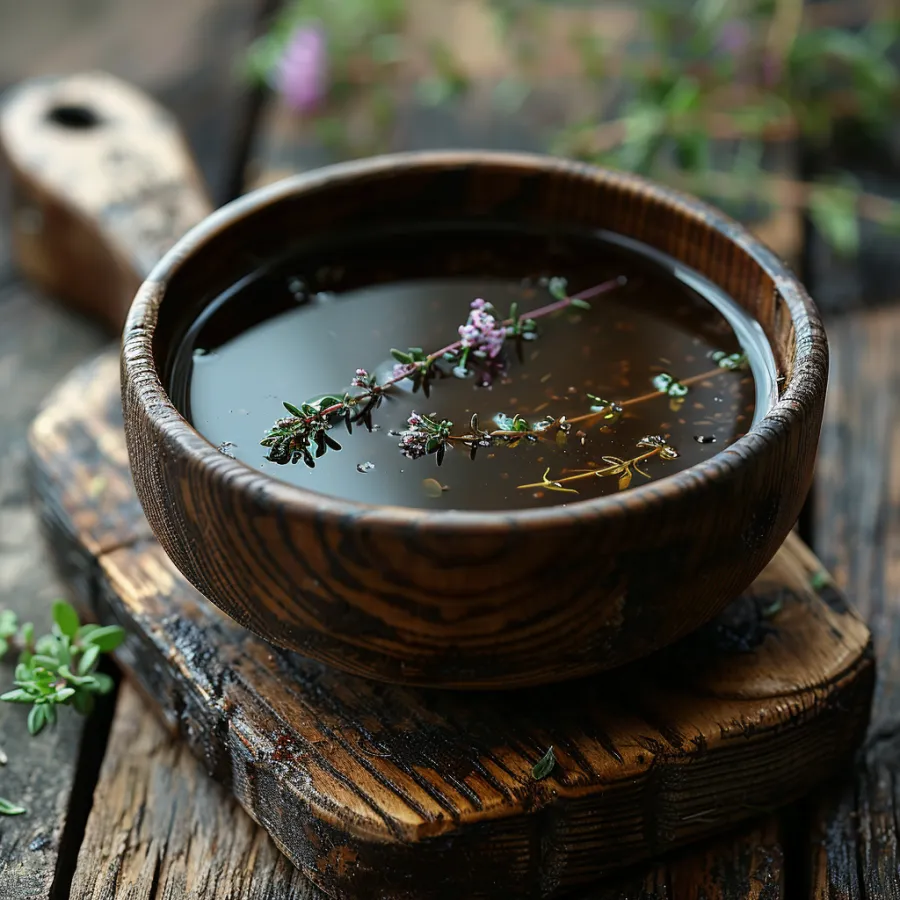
[
  {"x": 360, "y": 379},
  {"x": 734, "y": 37},
  {"x": 301, "y": 76},
  {"x": 414, "y": 439},
  {"x": 402, "y": 370},
  {"x": 483, "y": 333}
]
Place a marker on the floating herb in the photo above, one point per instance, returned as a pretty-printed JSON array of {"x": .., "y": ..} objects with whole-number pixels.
[
  {"x": 544, "y": 766},
  {"x": 304, "y": 434},
  {"x": 614, "y": 466},
  {"x": 730, "y": 361}
]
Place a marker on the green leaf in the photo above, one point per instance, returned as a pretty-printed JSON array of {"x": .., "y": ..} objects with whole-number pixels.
[
  {"x": 4, "y": 647},
  {"x": 400, "y": 356},
  {"x": 7, "y": 808},
  {"x": 46, "y": 662},
  {"x": 8, "y": 623},
  {"x": 103, "y": 684},
  {"x": 107, "y": 638},
  {"x": 578, "y": 303},
  {"x": 37, "y": 719},
  {"x": 819, "y": 580},
  {"x": 72, "y": 678},
  {"x": 544, "y": 766},
  {"x": 63, "y": 694},
  {"x": 17, "y": 696},
  {"x": 84, "y": 631},
  {"x": 89, "y": 660},
  {"x": 558, "y": 288},
  {"x": 293, "y": 410},
  {"x": 833, "y": 210},
  {"x": 66, "y": 618},
  {"x": 84, "y": 702},
  {"x": 662, "y": 382}
]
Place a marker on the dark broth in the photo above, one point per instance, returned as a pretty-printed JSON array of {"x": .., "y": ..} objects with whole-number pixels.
[{"x": 300, "y": 328}]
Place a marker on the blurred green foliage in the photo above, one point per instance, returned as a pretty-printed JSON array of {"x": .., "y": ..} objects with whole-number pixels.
[{"x": 699, "y": 95}]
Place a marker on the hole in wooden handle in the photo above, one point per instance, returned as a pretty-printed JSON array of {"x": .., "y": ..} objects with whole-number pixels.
[{"x": 74, "y": 116}]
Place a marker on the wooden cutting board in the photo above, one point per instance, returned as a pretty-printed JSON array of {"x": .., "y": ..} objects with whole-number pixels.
[{"x": 376, "y": 790}]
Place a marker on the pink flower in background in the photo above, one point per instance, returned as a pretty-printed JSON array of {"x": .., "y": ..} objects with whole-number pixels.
[
  {"x": 301, "y": 76},
  {"x": 734, "y": 37}
]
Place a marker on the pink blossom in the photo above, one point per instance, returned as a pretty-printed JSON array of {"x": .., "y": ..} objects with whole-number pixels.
[
  {"x": 483, "y": 333},
  {"x": 301, "y": 76},
  {"x": 415, "y": 438},
  {"x": 402, "y": 370},
  {"x": 734, "y": 37}
]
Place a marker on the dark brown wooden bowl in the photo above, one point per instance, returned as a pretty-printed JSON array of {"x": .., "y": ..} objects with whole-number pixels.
[{"x": 471, "y": 599}]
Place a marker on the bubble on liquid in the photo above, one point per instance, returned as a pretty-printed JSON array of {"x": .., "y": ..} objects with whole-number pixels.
[
  {"x": 364, "y": 467},
  {"x": 202, "y": 354},
  {"x": 225, "y": 449},
  {"x": 705, "y": 438},
  {"x": 718, "y": 400},
  {"x": 298, "y": 289}
]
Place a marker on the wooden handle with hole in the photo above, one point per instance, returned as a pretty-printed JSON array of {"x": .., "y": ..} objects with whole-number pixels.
[{"x": 103, "y": 184}]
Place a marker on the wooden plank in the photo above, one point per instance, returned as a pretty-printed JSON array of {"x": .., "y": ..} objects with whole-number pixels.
[
  {"x": 159, "y": 828},
  {"x": 182, "y": 53},
  {"x": 856, "y": 834},
  {"x": 38, "y": 344},
  {"x": 434, "y": 788}
]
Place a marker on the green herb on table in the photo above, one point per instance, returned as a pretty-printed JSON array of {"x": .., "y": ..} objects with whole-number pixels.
[
  {"x": 7, "y": 807},
  {"x": 819, "y": 580},
  {"x": 57, "y": 669},
  {"x": 60, "y": 668},
  {"x": 544, "y": 766},
  {"x": 10, "y": 809}
]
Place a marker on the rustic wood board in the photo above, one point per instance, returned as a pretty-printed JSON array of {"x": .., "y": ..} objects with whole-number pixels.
[
  {"x": 856, "y": 823},
  {"x": 400, "y": 792},
  {"x": 160, "y": 829}
]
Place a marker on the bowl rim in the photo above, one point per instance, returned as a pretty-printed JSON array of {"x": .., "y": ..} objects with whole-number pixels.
[{"x": 810, "y": 362}]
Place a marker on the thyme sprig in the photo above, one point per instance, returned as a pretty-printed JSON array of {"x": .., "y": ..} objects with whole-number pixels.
[
  {"x": 56, "y": 669},
  {"x": 623, "y": 468},
  {"x": 303, "y": 435}
]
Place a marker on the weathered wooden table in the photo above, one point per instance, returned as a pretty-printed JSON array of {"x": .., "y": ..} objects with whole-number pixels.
[{"x": 118, "y": 808}]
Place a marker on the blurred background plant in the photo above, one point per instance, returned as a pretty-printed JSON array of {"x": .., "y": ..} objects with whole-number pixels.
[{"x": 699, "y": 94}]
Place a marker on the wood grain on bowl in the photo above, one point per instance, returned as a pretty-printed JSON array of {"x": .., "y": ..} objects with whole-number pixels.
[{"x": 462, "y": 599}]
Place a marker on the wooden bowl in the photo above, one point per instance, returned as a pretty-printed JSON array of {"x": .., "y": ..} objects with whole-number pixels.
[{"x": 471, "y": 599}]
